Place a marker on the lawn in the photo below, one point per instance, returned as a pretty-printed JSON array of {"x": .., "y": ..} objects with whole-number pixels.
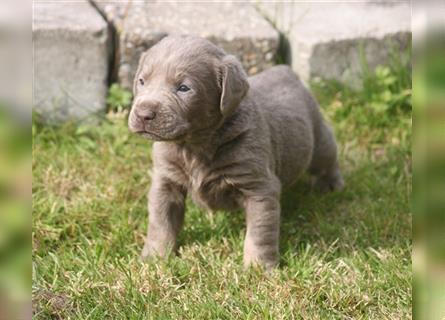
[{"x": 345, "y": 255}]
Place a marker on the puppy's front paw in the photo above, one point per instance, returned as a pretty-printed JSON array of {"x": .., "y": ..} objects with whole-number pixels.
[
  {"x": 268, "y": 265},
  {"x": 147, "y": 252},
  {"x": 154, "y": 250},
  {"x": 260, "y": 257}
]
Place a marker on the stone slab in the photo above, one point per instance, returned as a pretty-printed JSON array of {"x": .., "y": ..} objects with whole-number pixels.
[
  {"x": 71, "y": 50},
  {"x": 236, "y": 27},
  {"x": 326, "y": 40}
]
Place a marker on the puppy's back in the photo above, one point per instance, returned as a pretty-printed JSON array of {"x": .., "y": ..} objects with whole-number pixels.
[
  {"x": 293, "y": 117},
  {"x": 280, "y": 86}
]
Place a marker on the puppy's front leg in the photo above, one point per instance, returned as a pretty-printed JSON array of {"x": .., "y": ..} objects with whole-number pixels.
[
  {"x": 166, "y": 215},
  {"x": 263, "y": 229}
]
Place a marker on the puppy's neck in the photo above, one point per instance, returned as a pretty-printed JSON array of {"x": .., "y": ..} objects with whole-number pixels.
[{"x": 205, "y": 144}]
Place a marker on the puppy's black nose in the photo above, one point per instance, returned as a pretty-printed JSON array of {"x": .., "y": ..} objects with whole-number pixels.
[
  {"x": 148, "y": 115},
  {"x": 147, "y": 111}
]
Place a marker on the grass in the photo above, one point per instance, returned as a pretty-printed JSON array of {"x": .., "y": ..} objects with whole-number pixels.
[{"x": 345, "y": 255}]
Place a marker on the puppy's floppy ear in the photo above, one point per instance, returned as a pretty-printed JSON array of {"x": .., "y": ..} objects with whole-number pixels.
[
  {"x": 234, "y": 85},
  {"x": 136, "y": 75}
]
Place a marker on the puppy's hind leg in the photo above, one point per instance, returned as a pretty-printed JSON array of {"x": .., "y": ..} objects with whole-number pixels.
[
  {"x": 324, "y": 166},
  {"x": 329, "y": 180}
]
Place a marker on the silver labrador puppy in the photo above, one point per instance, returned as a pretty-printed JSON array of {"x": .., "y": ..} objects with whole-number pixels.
[{"x": 228, "y": 141}]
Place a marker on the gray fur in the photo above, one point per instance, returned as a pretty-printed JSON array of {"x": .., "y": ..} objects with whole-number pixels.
[{"x": 230, "y": 142}]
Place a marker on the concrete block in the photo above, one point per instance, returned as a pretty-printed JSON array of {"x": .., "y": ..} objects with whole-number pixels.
[
  {"x": 71, "y": 50},
  {"x": 327, "y": 40},
  {"x": 236, "y": 27}
]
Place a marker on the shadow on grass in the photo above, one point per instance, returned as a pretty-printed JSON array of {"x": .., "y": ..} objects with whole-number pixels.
[
  {"x": 202, "y": 227},
  {"x": 372, "y": 211},
  {"x": 299, "y": 204},
  {"x": 302, "y": 209}
]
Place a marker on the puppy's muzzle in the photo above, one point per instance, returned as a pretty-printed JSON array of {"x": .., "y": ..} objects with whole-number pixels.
[{"x": 146, "y": 111}]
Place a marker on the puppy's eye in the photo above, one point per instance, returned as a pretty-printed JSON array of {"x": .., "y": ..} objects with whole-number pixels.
[
  {"x": 141, "y": 81},
  {"x": 183, "y": 88}
]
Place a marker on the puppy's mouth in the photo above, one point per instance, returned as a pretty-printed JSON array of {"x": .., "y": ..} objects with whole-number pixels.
[
  {"x": 149, "y": 135},
  {"x": 176, "y": 135},
  {"x": 155, "y": 137},
  {"x": 165, "y": 127}
]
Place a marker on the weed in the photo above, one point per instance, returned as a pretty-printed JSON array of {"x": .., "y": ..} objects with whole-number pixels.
[{"x": 118, "y": 98}]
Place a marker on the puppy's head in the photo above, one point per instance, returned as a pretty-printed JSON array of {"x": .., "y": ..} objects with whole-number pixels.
[{"x": 184, "y": 86}]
